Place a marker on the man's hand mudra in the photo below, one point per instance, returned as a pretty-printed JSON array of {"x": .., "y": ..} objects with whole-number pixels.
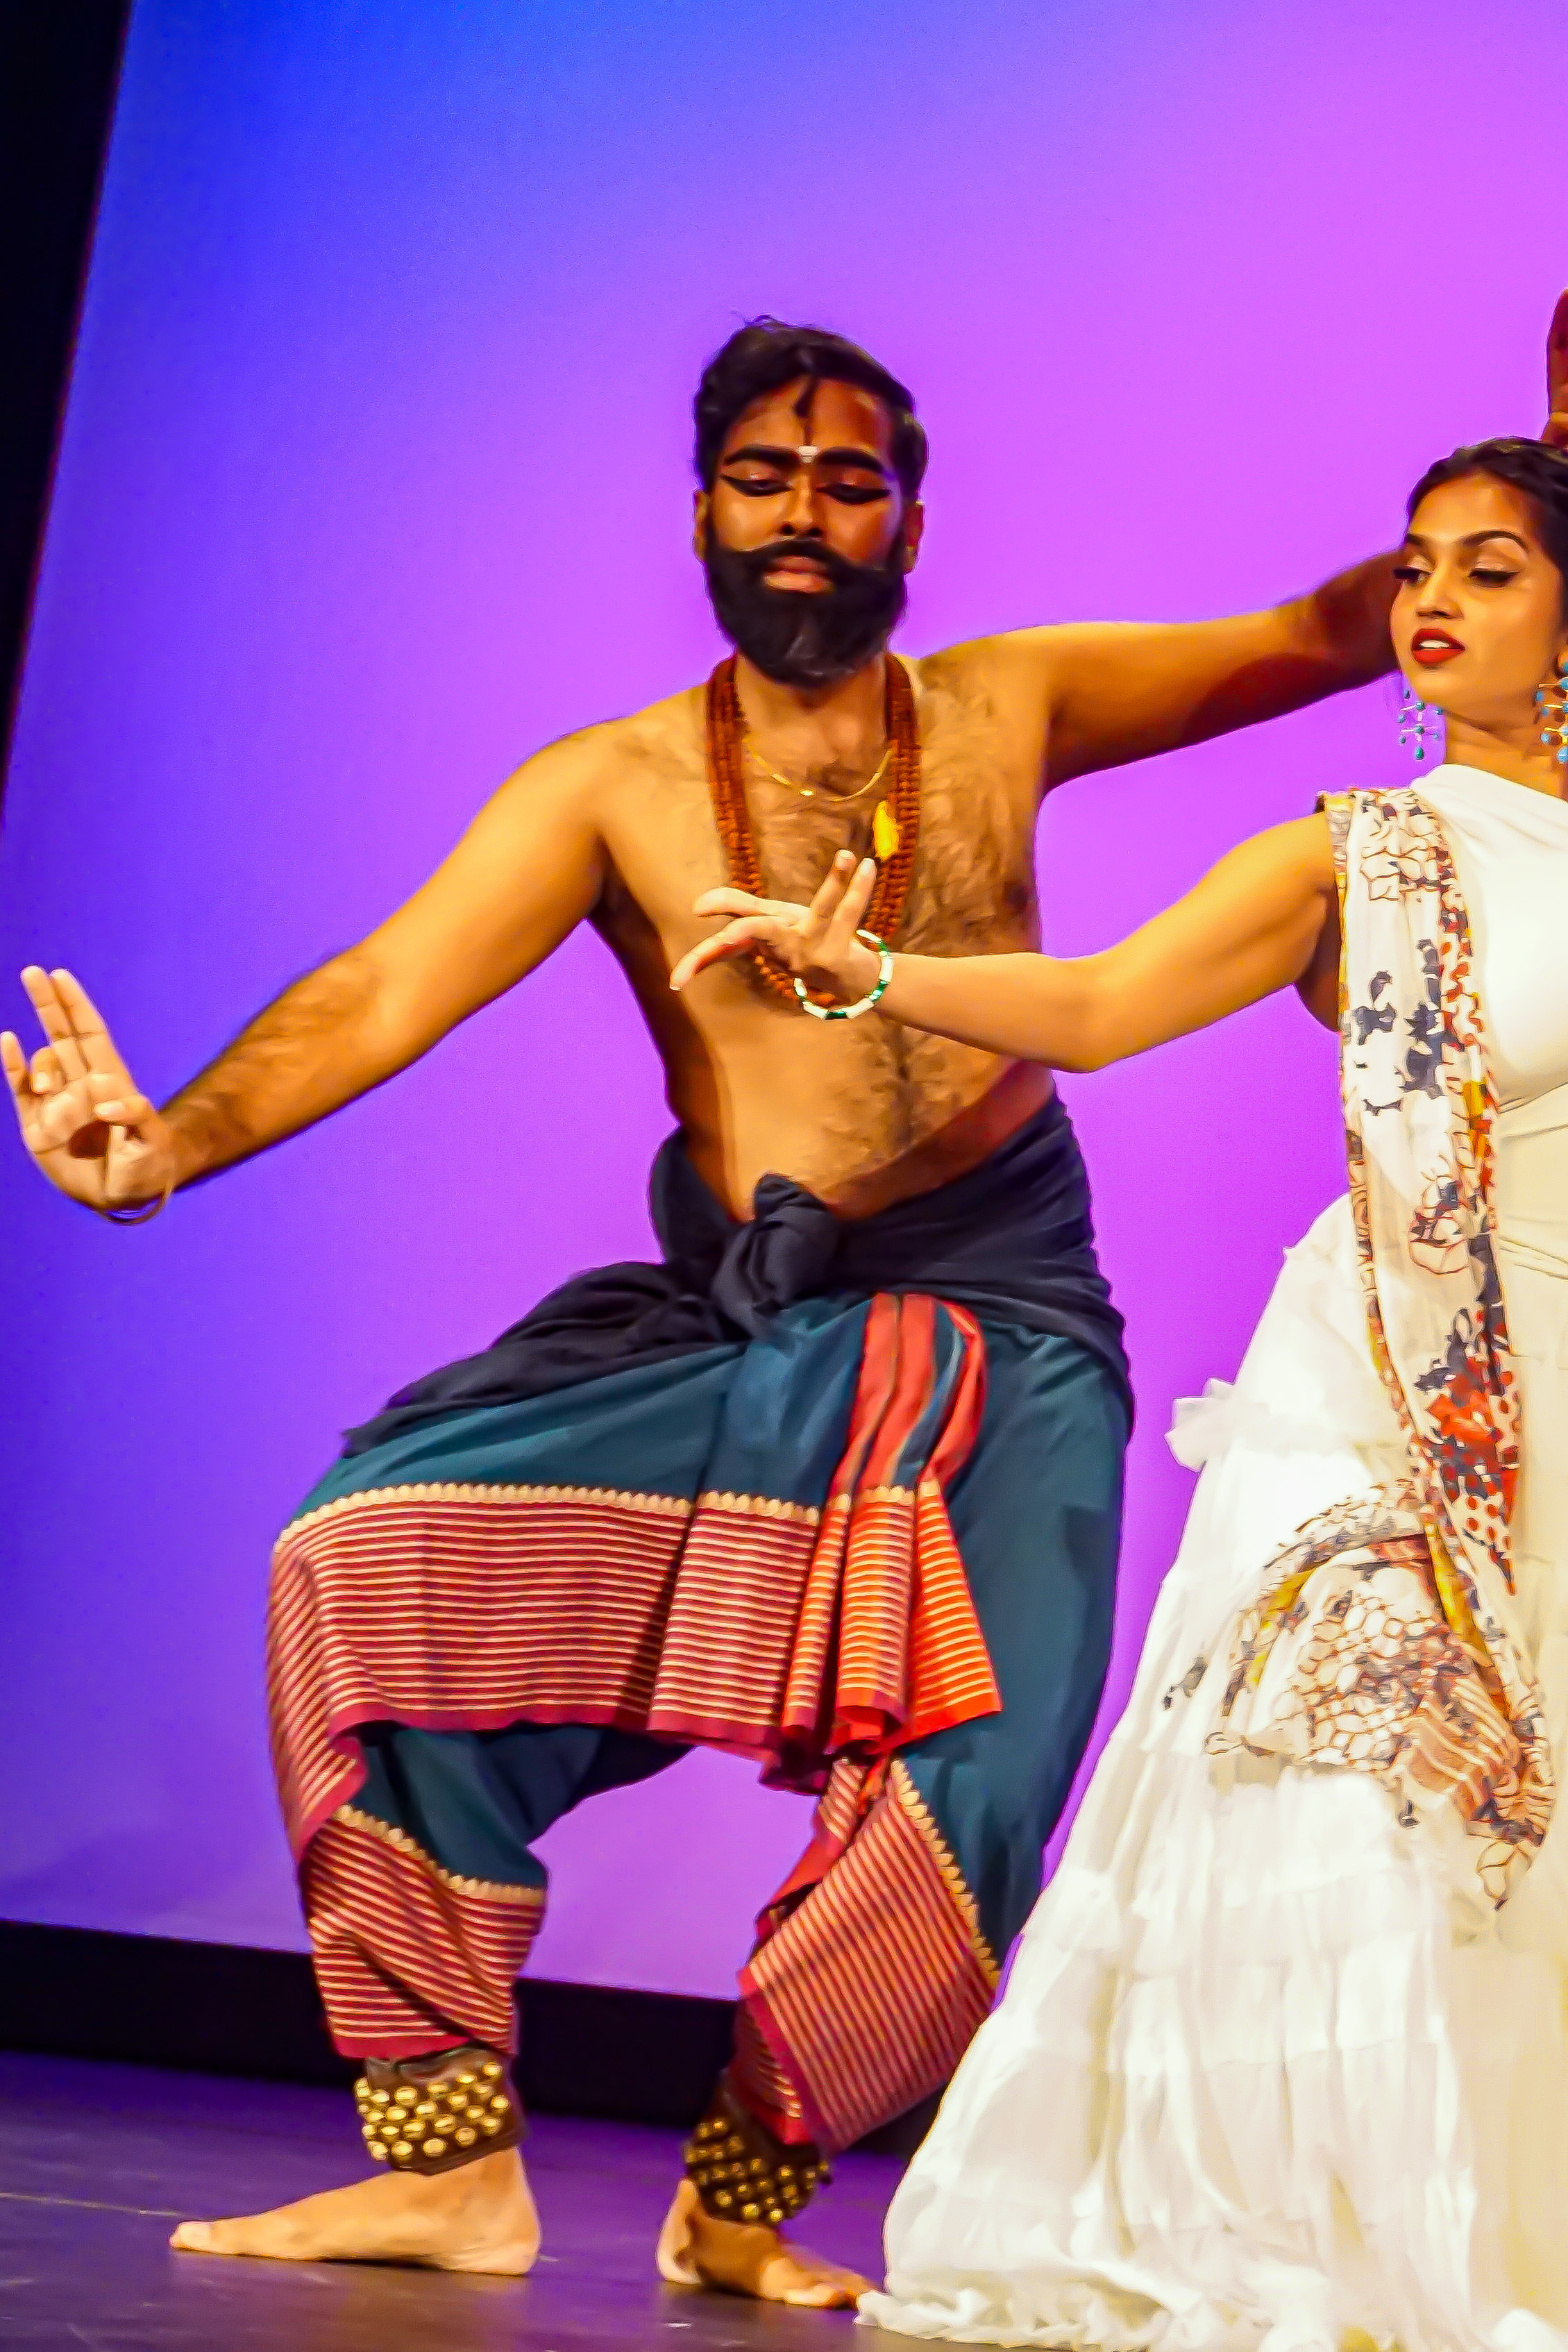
[
  {"x": 818, "y": 943},
  {"x": 89, "y": 1129}
]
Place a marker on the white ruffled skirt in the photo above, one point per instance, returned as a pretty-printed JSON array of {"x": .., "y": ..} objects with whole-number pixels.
[{"x": 1269, "y": 2072}]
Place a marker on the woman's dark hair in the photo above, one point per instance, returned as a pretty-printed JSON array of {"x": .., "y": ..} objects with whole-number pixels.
[
  {"x": 764, "y": 355},
  {"x": 1534, "y": 468}
]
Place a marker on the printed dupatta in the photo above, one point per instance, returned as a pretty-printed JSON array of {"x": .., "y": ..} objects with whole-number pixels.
[{"x": 1385, "y": 1638}]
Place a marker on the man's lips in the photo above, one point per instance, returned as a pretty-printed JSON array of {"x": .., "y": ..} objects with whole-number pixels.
[
  {"x": 1433, "y": 647},
  {"x": 798, "y": 571}
]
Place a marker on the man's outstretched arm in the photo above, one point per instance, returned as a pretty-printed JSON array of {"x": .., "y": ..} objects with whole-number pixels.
[
  {"x": 1104, "y": 694},
  {"x": 1120, "y": 691},
  {"x": 525, "y": 874}
]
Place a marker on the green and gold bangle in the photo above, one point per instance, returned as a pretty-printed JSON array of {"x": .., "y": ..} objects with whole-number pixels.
[{"x": 875, "y": 996}]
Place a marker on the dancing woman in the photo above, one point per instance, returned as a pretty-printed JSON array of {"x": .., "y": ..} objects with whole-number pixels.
[{"x": 1283, "y": 2054}]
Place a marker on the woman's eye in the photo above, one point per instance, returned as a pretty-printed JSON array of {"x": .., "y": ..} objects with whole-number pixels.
[
  {"x": 1409, "y": 571},
  {"x": 1492, "y": 575}
]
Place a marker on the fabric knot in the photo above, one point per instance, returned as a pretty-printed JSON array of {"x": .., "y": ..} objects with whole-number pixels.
[{"x": 782, "y": 1254}]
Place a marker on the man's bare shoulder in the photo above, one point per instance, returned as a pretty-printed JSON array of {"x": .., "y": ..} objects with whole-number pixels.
[
  {"x": 593, "y": 760},
  {"x": 978, "y": 662},
  {"x": 668, "y": 729},
  {"x": 1010, "y": 673},
  {"x": 988, "y": 686}
]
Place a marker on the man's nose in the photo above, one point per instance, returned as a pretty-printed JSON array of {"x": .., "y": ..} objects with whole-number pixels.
[{"x": 800, "y": 509}]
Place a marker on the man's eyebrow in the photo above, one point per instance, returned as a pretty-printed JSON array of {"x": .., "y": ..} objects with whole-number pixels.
[
  {"x": 767, "y": 454},
  {"x": 1470, "y": 539}
]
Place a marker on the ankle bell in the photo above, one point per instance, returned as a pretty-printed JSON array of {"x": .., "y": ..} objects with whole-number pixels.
[
  {"x": 434, "y": 2113},
  {"x": 742, "y": 2173}
]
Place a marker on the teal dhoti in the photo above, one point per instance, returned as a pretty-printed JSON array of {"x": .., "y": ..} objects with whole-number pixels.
[{"x": 868, "y": 1540}]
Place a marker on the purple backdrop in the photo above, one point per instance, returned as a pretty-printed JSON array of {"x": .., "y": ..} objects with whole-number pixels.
[{"x": 375, "y": 478}]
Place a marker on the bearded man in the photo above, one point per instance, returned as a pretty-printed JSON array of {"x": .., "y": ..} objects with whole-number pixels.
[{"x": 837, "y": 1485}]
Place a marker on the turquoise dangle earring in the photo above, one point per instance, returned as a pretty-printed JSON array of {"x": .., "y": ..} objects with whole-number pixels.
[
  {"x": 1414, "y": 718},
  {"x": 1552, "y": 703}
]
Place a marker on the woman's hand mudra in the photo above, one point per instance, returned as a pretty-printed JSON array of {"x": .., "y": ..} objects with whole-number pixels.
[
  {"x": 89, "y": 1129},
  {"x": 818, "y": 943}
]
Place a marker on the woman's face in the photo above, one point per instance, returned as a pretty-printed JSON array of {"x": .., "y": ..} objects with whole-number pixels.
[{"x": 1478, "y": 618}]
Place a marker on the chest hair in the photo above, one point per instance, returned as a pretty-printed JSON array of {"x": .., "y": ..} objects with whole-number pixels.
[{"x": 972, "y": 890}]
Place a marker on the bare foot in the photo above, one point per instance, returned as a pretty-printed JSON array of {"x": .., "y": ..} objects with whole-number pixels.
[
  {"x": 479, "y": 2217},
  {"x": 696, "y": 2249}
]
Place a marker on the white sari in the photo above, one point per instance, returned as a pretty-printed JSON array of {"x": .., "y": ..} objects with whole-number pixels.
[{"x": 1283, "y": 2057}]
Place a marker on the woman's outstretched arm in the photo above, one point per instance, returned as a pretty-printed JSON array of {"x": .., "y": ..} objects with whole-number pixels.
[{"x": 1259, "y": 920}]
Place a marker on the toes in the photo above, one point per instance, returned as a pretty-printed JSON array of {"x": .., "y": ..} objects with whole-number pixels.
[
  {"x": 813, "y": 2290},
  {"x": 194, "y": 2238},
  {"x": 840, "y": 2291}
]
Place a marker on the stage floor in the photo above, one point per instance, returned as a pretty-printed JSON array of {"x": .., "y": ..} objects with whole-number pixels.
[{"x": 97, "y": 2162}]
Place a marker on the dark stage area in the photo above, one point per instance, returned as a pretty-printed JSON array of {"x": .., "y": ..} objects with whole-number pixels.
[{"x": 98, "y": 2162}]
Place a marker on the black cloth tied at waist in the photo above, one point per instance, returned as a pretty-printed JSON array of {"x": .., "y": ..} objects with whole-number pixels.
[{"x": 1012, "y": 1240}]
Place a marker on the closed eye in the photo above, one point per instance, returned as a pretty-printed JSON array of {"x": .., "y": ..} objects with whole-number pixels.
[
  {"x": 773, "y": 485},
  {"x": 758, "y": 486}
]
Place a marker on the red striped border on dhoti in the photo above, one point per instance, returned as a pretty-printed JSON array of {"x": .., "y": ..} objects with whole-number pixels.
[
  {"x": 468, "y": 1608},
  {"x": 870, "y": 1989},
  {"x": 739, "y": 1621},
  {"x": 815, "y": 1641},
  {"x": 889, "y": 1648},
  {"x": 404, "y": 1949}
]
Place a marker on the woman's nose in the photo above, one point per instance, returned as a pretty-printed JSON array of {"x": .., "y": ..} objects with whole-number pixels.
[{"x": 1437, "y": 595}]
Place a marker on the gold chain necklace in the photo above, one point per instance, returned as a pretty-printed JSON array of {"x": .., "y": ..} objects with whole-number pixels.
[
  {"x": 811, "y": 792},
  {"x": 895, "y": 827}
]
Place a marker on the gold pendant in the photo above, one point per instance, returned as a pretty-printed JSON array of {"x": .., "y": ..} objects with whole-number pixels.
[{"x": 885, "y": 834}]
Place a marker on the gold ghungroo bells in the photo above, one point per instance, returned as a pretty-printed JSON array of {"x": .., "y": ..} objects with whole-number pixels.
[
  {"x": 742, "y": 2173},
  {"x": 433, "y": 2114}
]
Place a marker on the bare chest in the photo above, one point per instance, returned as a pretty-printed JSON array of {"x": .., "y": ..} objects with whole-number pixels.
[
  {"x": 972, "y": 889},
  {"x": 754, "y": 1084}
]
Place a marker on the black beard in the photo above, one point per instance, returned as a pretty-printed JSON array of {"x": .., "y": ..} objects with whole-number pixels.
[{"x": 804, "y": 638}]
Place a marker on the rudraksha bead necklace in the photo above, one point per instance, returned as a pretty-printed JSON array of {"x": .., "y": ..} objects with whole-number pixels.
[{"x": 895, "y": 827}]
